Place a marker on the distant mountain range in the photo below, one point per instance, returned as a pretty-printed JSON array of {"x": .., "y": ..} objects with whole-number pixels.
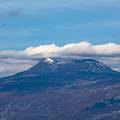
[{"x": 62, "y": 89}]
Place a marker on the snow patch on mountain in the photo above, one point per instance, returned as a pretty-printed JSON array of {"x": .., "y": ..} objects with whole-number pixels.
[{"x": 49, "y": 61}]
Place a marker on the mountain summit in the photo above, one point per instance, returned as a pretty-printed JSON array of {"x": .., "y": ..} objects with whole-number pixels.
[
  {"x": 67, "y": 68},
  {"x": 49, "y": 61}
]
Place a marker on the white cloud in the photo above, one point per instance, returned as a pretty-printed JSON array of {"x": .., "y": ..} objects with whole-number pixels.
[
  {"x": 15, "y": 61},
  {"x": 107, "y": 49},
  {"x": 43, "y": 50},
  {"x": 81, "y": 49},
  {"x": 73, "y": 49}
]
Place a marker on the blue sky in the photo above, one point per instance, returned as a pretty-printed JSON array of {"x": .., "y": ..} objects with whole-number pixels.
[{"x": 25, "y": 23}]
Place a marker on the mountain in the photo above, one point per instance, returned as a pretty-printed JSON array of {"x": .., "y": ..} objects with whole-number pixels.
[
  {"x": 68, "y": 68},
  {"x": 62, "y": 66},
  {"x": 62, "y": 89}
]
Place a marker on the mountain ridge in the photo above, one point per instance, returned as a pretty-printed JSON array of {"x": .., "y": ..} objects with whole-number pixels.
[
  {"x": 82, "y": 65},
  {"x": 60, "y": 72}
]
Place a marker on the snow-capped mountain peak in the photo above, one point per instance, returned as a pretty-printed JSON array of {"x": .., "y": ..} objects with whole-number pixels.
[{"x": 49, "y": 61}]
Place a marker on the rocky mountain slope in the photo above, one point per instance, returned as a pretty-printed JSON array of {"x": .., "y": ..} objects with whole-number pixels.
[{"x": 62, "y": 89}]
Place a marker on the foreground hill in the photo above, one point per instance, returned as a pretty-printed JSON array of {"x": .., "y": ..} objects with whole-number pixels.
[{"x": 62, "y": 89}]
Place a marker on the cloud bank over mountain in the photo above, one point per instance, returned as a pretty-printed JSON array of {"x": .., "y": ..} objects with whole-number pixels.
[
  {"x": 108, "y": 53},
  {"x": 81, "y": 49}
]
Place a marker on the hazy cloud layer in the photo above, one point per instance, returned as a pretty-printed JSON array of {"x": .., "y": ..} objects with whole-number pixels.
[
  {"x": 16, "y": 61},
  {"x": 10, "y": 66}
]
